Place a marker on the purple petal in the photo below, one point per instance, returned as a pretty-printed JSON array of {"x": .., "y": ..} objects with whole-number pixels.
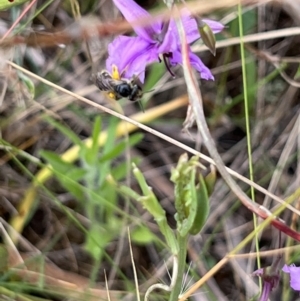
[
  {"x": 267, "y": 288},
  {"x": 200, "y": 67},
  {"x": 190, "y": 26},
  {"x": 131, "y": 55},
  {"x": 195, "y": 63},
  {"x": 214, "y": 25},
  {"x": 258, "y": 272},
  {"x": 138, "y": 65},
  {"x": 176, "y": 58},
  {"x": 123, "y": 50},
  {"x": 286, "y": 269},
  {"x": 170, "y": 40},
  {"x": 294, "y": 276},
  {"x": 132, "y": 13}
]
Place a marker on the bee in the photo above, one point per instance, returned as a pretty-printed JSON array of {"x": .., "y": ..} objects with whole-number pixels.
[{"x": 119, "y": 88}]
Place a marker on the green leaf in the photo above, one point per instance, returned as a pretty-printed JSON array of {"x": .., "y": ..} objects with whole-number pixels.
[
  {"x": 142, "y": 235},
  {"x": 202, "y": 207},
  {"x": 89, "y": 154},
  {"x": 152, "y": 205},
  {"x": 107, "y": 147},
  {"x": 67, "y": 174},
  {"x": 149, "y": 200},
  {"x": 69, "y": 182},
  {"x": 100, "y": 236},
  {"x": 56, "y": 162},
  {"x": 109, "y": 193},
  {"x": 97, "y": 239},
  {"x": 95, "y": 135},
  {"x": 251, "y": 72},
  {"x": 120, "y": 171},
  {"x": 249, "y": 23},
  {"x": 66, "y": 131},
  {"x": 111, "y": 136},
  {"x": 120, "y": 147},
  {"x": 156, "y": 72}
]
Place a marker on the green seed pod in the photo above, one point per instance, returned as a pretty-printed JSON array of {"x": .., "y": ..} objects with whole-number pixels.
[
  {"x": 207, "y": 36},
  {"x": 191, "y": 195}
]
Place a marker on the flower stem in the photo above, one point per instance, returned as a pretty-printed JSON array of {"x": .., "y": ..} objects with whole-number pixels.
[{"x": 182, "y": 242}]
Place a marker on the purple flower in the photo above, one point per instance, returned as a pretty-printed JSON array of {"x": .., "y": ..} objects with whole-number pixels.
[
  {"x": 270, "y": 276},
  {"x": 131, "y": 55},
  {"x": 294, "y": 276}
]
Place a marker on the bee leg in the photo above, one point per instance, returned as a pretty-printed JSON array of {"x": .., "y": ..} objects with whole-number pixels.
[{"x": 135, "y": 93}]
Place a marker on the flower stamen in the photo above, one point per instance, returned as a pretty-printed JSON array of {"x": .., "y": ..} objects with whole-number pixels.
[
  {"x": 166, "y": 57},
  {"x": 115, "y": 75},
  {"x": 115, "y": 72}
]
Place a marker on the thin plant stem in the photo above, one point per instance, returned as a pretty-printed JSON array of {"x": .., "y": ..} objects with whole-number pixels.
[
  {"x": 248, "y": 133},
  {"x": 175, "y": 292},
  {"x": 165, "y": 287},
  {"x": 134, "y": 268}
]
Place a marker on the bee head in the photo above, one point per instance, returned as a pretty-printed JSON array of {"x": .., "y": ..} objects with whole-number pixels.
[{"x": 124, "y": 89}]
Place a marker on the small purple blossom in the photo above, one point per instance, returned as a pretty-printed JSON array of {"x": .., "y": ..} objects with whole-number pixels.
[
  {"x": 294, "y": 276},
  {"x": 132, "y": 54},
  {"x": 270, "y": 278}
]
